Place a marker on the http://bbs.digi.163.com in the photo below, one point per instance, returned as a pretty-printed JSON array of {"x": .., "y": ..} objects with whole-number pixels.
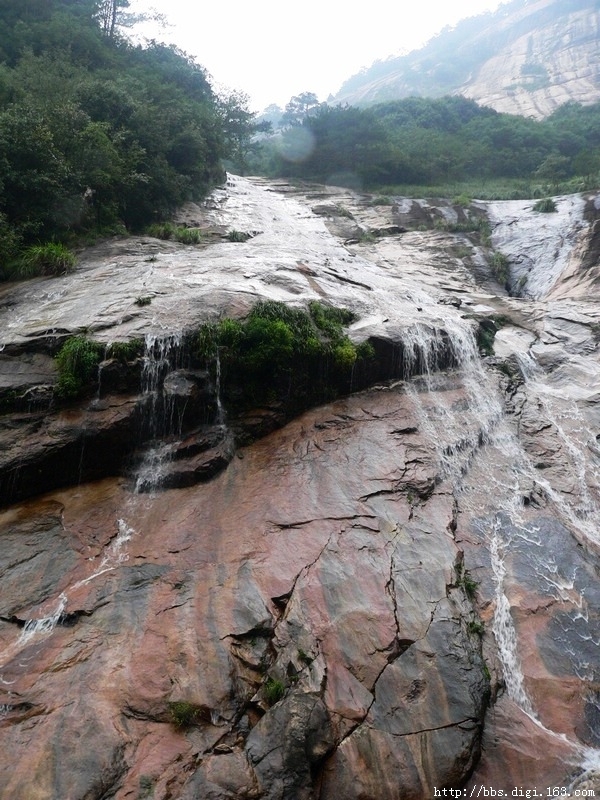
[{"x": 517, "y": 791}]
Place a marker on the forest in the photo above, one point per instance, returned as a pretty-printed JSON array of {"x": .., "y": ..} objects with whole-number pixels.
[
  {"x": 430, "y": 144},
  {"x": 99, "y": 135}
]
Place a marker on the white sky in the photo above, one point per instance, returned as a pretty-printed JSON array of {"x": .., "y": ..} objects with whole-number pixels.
[{"x": 273, "y": 49}]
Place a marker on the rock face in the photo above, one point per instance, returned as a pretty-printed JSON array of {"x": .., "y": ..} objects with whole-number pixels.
[
  {"x": 548, "y": 60},
  {"x": 527, "y": 58},
  {"x": 393, "y": 593}
]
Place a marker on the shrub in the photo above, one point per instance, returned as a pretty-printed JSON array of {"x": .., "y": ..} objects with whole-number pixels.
[
  {"x": 381, "y": 200},
  {"x": 281, "y": 352},
  {"x": 469, "y": 585},
  {"x": 161, "y": 230},
  {"x": 146, "y": 787},
  {"x": 170, "y": 232},
  {"x": 476, "y": 627},
  {"x": 125, "y": 351},
  {"x": 184, "y": 714},
  {"x": 188, "y": 235},
  {"x": 77, "y": 362},
  {"x": 545, "y": 206},
  {"x": 462, "y": 200},
  {"x": 143, "y": 301},
  {"x": 238, "y": 236},
  {"x": 344, "y": 354},
  {"x": 274, "y": 690},
  {"x": 500, "y": 267},
  {"x": 464, "y": 580},
  {"x": 365, "y": 351},
  {"x": 45, "y": 259}
]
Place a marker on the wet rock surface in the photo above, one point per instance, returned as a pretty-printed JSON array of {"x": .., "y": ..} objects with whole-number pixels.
[{"x": 392, "y": 593}]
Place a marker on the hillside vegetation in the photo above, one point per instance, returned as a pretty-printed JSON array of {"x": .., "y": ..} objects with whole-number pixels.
[
  {"x": 439, "y": 143},
  {"x": 98, "y": 134}
]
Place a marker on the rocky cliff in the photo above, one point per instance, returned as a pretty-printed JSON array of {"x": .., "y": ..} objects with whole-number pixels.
[
  {"x": 527, "y": 58},
  {"x": 376, "y": 597}
]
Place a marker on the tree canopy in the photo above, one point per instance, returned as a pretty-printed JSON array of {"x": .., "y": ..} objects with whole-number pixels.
[
  {"x": 97, "y": 133},
  {"x": 423, "y": 141}
]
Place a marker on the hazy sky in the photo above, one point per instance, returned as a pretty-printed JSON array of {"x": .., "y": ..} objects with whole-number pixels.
[{"x": 273, "y": 49}]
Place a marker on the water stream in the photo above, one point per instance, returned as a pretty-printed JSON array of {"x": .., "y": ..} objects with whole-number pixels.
[{"x": 476, "y": 444}]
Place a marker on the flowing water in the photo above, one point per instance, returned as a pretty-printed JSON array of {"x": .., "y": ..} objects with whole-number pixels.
[
  {"x": 161, "y": 420},
  {"x": 476, "y": 446}
]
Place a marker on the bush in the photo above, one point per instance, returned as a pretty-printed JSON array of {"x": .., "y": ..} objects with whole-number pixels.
[
  {"x": 296, "y": 356},
  {"x": 45, "y": 259},
  {"x": 545, "y": 206},
  {"x": 238, "y": 236},
  {"x": 462, "y": 200},
  {"x": 170, "y": 232},
  {"x": 125, "y": 351},
  {"x": 188, "y": 235},
  {"x": 184, "y": 714},
  {"x": 274, "y": 690},
  {"x": 476, "y": 627},
  {"x": 464, "y": 580},
  {"x": 500, "y": 267},
  {"x": 77, "y": 362}
]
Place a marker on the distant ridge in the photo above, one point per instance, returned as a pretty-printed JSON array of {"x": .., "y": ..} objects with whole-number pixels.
[{"x": 529, "y": 57}]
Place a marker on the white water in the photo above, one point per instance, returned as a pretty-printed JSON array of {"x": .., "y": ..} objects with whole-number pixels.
[
  {"x": 46, "y": 624},
  {"x": 41, "y": 627},
  {"x": 161, "y": 353},
  {"x": 114, "y": 555},
  {"x": 480, "y": 432}
]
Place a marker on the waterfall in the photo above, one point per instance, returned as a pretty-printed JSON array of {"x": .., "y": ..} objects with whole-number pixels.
[
  {"x": 114, "y": 555},
  {"x": 476, "y": 446},
  {"x": 161, "y": 354},
  {"x": 504, "y": 629},
  {"x": 220, "y": 409},
  {"x": 44, "y": 624}
]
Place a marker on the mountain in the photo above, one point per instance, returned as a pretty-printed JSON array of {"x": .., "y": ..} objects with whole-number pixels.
[{"x": 529, "y": 57}]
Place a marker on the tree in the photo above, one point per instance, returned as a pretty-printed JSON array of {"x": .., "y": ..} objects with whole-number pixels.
[
  {"x": 299, "y": 107},
  {"x": 108, "y": 14},
  {"x": 239, "y": 128}
]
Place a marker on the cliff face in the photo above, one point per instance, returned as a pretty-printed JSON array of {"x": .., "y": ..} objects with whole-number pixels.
[
  {"x": 527, "y": 58},
  {"x": 360, "y": 602},
  {"x": 542, "y": 67}
]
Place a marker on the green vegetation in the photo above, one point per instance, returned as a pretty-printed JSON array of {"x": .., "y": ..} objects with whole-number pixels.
[
  {"x": 176, "y": 233},
  {"x": 476, "y": 627},
  {"x": 444, "y": 147},
  {"x": 304, "y": 657},
  {"x": 77, "y": 362},
  {"x": 184, "y": 714},
  {"x": 97, "y": 134},
  {"x": 237, "y": 236},
  {"x": 486, "y": 332},
  {"x": 283, "y": 353},
  {"x": 146, "y": 787},
  {"x": 143, "y": 300},
  {"x": 45, "y": 259},
  {"x": 343, "y": 212},
  {"x": 274, "y": 690},
  {"x": 466, "y": 582},
  {"x": 545, "y": 206},
  {"x": 500, "y": 266},
  {"x": 125, "y": 351}
]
